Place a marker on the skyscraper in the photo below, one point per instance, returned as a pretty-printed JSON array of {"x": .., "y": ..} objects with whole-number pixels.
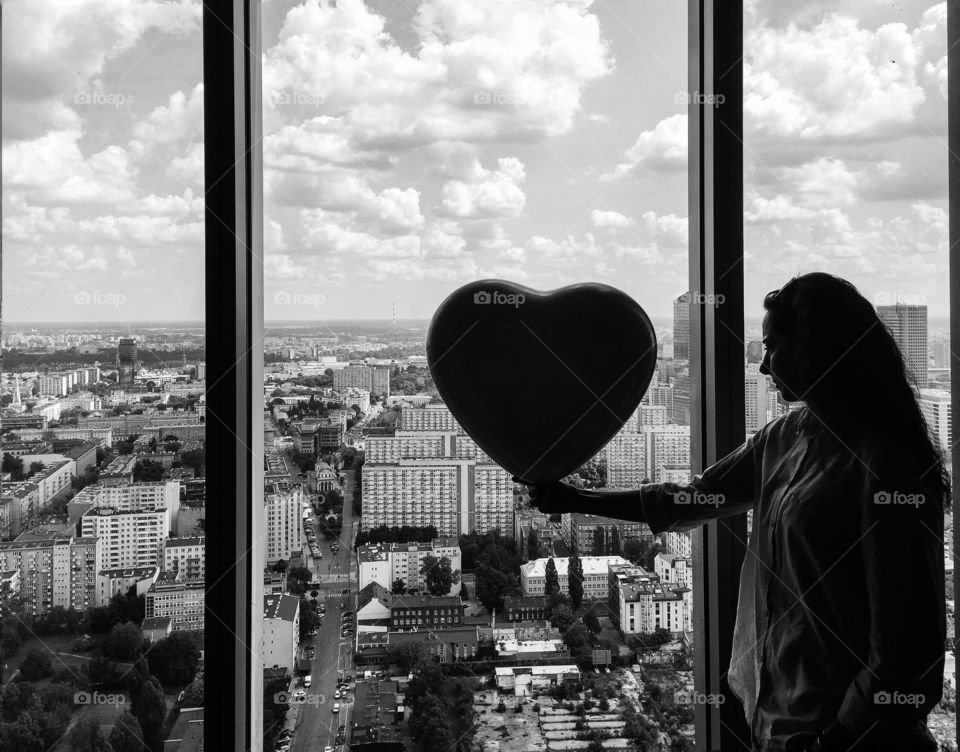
[
  {"x": 908, "y": 324},
  {"x": 126, "y": 360},
  {"x": 681, "y": 327}
]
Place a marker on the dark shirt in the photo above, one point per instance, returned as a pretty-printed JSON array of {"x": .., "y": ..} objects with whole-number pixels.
[{"x": 841, "y": 602}]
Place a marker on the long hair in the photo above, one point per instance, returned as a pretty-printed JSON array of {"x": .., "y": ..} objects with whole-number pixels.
[{"x": 852, "y": 369}]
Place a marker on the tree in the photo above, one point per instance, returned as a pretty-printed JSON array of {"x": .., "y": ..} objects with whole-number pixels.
[
  {"x": 14, "y": 466},
  {"x": 408, "y": 655},
  {"x": 123, "y": 642},
  {"x": 399, "y": 586},
  {"x": 193, "y": 695},
  {"x": 297, "y": 580},
  {"x": 599, "y": 541},
  {"x": 127, "y": 736},
  {"x": 439, "y": 575},
  {"x": 37, "y": 665},
  {"x": 533, "y": 544},
  {"x": 615, "y": 540},
  {"x": 174, "y": 659},
  {"x": 150, "y": 709},
  {"x": 280, "y": 566},
  {"x": 552, "y": 579},
  {"x": 148, "y": 470},
  {"x": 35, "y": 467},
  {"x": 575, "y": 580},
  {"x": 591, "y": 621},
  {"x": 87, "y": 736}
]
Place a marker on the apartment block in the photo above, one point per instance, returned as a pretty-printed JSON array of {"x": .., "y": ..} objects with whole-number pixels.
[
  {"x": 54, "y": 571},
  {"x": 186, "y": 556}
]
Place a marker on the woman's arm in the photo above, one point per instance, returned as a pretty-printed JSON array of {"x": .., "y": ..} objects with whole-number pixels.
[{"x": 724, "y": 489}]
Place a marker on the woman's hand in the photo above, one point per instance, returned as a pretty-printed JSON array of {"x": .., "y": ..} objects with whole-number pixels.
[{"x": 554, "y": 497}]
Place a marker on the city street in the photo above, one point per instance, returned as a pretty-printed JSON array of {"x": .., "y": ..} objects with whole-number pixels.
[{"x": 316, "y": 724}]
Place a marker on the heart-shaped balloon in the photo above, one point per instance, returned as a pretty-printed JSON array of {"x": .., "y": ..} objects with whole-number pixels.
[{"x": 541, "y": 380}]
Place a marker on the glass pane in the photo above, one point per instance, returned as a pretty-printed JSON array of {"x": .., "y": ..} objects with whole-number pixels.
[
  {"x": 845, "y": 160},
  {"x": 103, "y": 381},
  {"x": 410, "y": 149}
]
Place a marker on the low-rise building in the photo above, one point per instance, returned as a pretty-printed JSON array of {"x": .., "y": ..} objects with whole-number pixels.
[
  {"x": 446, "y": 645},
  {"x": 425, "y": 611},
  {"x": 522, "y": 680},
  {"x": 595, "y": 575},
  {"x": 111, "y": 582},
  {"x": 525, "y": 607},
  {"x": 385, "y": 563},
  {"x": 181, "y": 600}
]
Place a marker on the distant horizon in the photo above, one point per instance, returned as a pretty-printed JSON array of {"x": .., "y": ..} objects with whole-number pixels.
[{"x": 302, "y": 322}]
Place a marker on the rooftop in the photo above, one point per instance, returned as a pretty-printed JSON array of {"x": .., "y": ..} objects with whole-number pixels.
[
  {"x": 592, "y": 565},
  {"x": 277, "y": 606}
]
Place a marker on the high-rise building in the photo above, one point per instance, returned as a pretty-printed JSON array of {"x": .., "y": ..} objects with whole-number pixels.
[
  {"x": 375, "y": 379},
  {"x": 935, "y": 406},
  {"x": 681, "y": 396},
  {"x": 626, "y": 458},
  {"x": 54, "y": 571},
  {"x": 127, "y": 363},
  {"x": 667, "y": 446},
  {"x": 681, "y": 327},
  {"x": 185, "y": 555},
  {"x": 454, "y": 495},
  {"x": 754, "y": 351},
  {"x": 756, "y": 387},
  {"x": 908, "y": 324},
  {"x": 283, "y": 509}
]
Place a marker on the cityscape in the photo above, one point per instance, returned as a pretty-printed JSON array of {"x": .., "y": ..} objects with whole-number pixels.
[
  {"x": 395, "y": 550},
  {"x": 413, "y": 598}
]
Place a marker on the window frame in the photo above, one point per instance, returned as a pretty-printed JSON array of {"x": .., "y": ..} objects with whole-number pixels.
[{"x": 233, "y": 220}]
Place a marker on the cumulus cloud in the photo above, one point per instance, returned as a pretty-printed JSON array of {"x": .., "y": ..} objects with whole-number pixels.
[
  {"x": 53, "y": 52},
  {"x": 489, "y": 193},
  {"x": 662, "y": 149},
  {"x": 503, "y": 70},
  {"x": 611, "y": 220}
]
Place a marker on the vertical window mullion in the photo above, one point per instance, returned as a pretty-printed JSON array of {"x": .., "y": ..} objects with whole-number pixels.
[
  {"x": 953, "y": 205},
  {"x": 234, "y": 321},
  {"x": 717, "y": 424}
]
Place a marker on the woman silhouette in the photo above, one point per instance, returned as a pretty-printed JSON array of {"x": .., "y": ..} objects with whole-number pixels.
[{"x": 841, "y": 627}]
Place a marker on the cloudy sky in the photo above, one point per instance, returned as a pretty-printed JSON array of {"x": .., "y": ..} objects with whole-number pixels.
[{"x": 410, "y": 147}]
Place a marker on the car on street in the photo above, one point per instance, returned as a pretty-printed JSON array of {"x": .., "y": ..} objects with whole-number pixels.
[
  {"x": 336, "y": 707},
  {"x": 328, "y": 749}
]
